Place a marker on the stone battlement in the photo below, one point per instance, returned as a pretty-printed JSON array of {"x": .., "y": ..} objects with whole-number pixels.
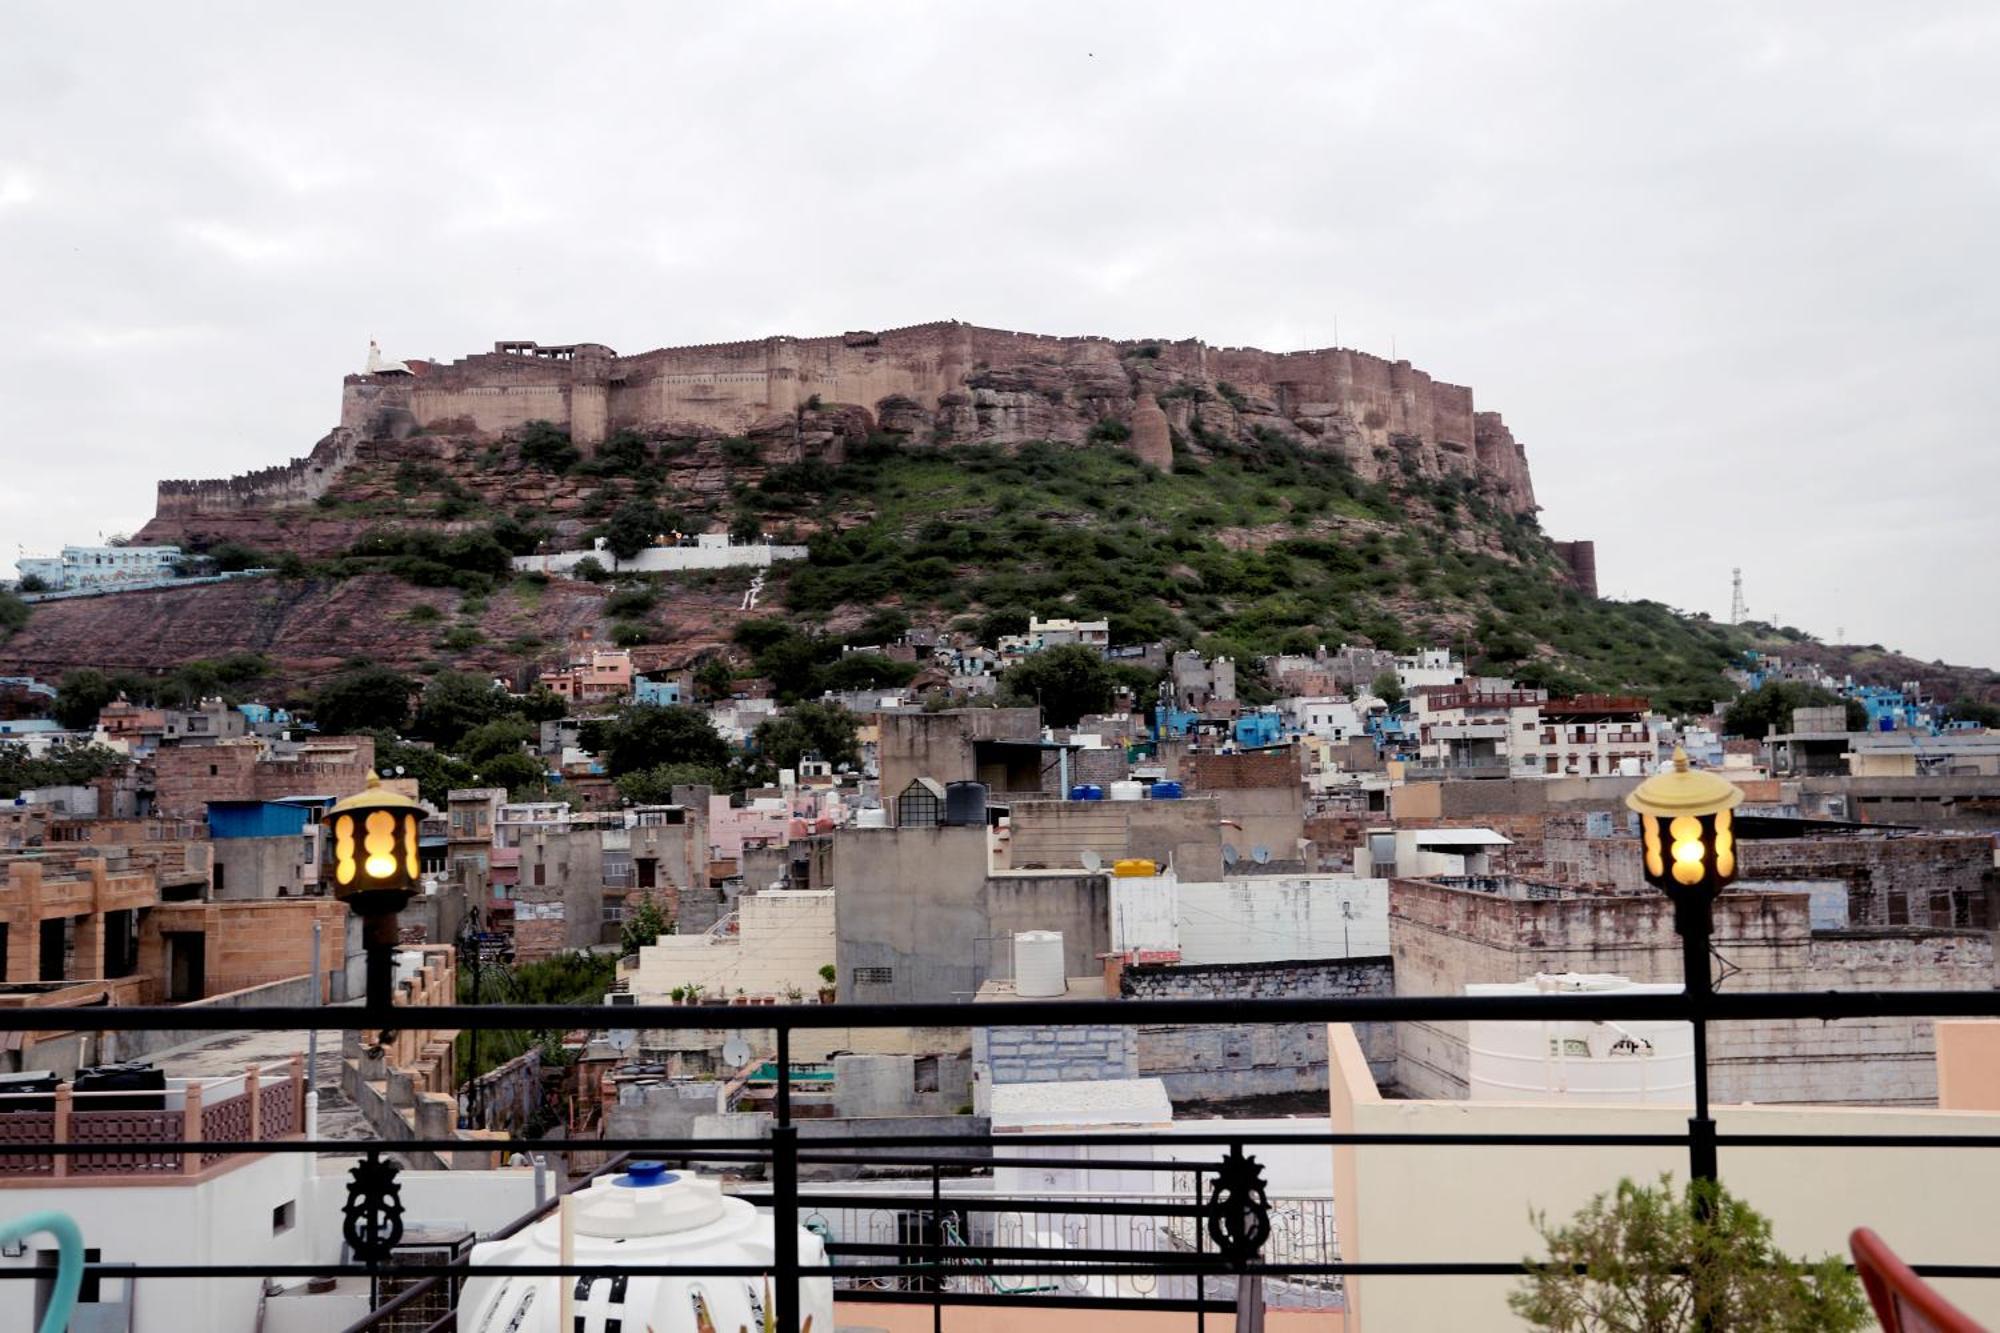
[
  {"x": 959, "y": 382},
  {"x": 298, "y": 482}
]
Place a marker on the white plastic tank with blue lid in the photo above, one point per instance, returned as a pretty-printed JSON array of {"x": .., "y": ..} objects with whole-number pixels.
[{"x": 645, "y": 1215}]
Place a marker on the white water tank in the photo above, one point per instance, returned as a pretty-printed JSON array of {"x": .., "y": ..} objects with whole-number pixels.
[
  {"x": 871, "y": 816},
  {"x": 1128, "y": 791},
  {"x": 1634, "y": 1062},
  {"x": 644, "y": 1215},
  {"x": 1038, "y": 964}
]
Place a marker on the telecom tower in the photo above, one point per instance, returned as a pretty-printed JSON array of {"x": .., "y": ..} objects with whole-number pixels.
[{"x": 1738, "y": 613}]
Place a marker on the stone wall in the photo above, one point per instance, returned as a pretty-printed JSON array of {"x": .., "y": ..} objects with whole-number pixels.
[
  {"x": 1443, "y": 936},
  {"x": 298, "y": 482},
  {"x": 1212, "y": 1063},
  {"x": 1030, "y": 1054},
  {"x": 968, "y": 383},
  {"x": 1929, "y": 879}
]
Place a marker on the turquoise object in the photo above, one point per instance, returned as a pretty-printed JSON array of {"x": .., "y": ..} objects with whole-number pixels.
[{"x": 69, "y": 1269}]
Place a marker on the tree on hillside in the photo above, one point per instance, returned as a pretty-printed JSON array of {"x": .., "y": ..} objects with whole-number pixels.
[
  {"x": 59, "y": 766},
  {"x": 631, "y": 528},
  {"x": 522, "y": 774},
  {"x": 1771, "y": 704},
  {"x": 511, "y": 734},
  {"x": 435, "y": 771},
  {"x": 827, "y": 730},
  {"x": 547, "y": 446},
  {"x": 1975, "y": 710},
  {"x": 1388, "y": 687},
  {"x": 655, "y": 786},
  {"x": 81, "y": 696},
  {"x": 714, "y": 677},
  {"x": 370, "y": 699},
  {"x": 454, "y": 703},
  {"x": 644, "y": 925},
  {"x": 643, "y": 736},
  {"x": 1068, "y": 682}
]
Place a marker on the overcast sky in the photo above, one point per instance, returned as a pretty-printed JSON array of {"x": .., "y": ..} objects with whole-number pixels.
[{"x": 1730, "y": 272}]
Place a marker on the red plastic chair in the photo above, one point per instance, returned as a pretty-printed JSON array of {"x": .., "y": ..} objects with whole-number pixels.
[{"x": 1904, "y": 1302}]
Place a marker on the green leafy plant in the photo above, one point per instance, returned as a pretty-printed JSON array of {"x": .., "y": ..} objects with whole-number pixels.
[
  {"x": 643, "y": 925},
  {"x": 1649, "y": 1259}
]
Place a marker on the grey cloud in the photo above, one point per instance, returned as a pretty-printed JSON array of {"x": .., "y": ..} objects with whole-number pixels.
[{"x": 1726, "y": 270}]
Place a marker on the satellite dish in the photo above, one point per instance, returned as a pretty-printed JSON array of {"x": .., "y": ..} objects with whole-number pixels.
[
  {"x": 736, "y": 1051},
  {"x": 1260, "y": 854},
  {"x": 1230, "y": 856},
  {"x": 1091, "y": 861},
  {"x": 622, "y": 1039}
]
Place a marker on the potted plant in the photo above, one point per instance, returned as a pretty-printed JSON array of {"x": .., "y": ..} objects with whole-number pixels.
[
  {"x": 1698, "y": 1259},
  {"x": 694, "y": 992},
  {"x": 678, "y": 994},
  {"x": 826, "y": 976},
  {"x": 793, "y": 994}
]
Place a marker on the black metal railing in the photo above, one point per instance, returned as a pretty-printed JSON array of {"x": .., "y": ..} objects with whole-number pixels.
[{"x": 1211, "y": 1235}]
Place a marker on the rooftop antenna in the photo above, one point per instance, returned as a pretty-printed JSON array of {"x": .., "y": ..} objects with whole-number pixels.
[{"x": 1738, "y": 613}]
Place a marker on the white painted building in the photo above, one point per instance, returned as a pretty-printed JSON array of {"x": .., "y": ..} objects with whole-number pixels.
[
  {"x": 774, "y": 943},
  {"x": 1249, "y": 918},
  {"x": 1324, "y": 715},
  {"x": 1044, "y": 634},
  {"x": 1432, "y": 666},
  {"x": 1589, "y": 736},
  {"x": 1478, "y": 732},
  {"x": 96, "y": 566}
]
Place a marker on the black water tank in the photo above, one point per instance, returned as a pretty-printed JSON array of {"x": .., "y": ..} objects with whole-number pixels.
[
  {"x": 17, "y": 1088},
  {"x": 137, "y": 1087},
  {"x": 964, "y": 803}
]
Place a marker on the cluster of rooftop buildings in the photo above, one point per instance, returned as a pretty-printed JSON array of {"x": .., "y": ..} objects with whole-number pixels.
[{"x": 1470, "y": 838}]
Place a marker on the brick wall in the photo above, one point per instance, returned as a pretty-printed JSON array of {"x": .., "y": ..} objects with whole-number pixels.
[
  {"x": 187, "y": 777},
  {"x": 1254, "y": 1058},
  {"x": 1240, "y": 772}
]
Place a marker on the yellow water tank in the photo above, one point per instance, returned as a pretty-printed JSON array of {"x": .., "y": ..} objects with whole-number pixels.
[{"x": 1133, "y": 868}]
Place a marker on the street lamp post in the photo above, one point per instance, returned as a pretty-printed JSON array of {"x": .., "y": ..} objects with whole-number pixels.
[
  {"x": 375, "y": 870},
  {"x": 1688, "y": 837},
  {"x": 470, "y": 954}
]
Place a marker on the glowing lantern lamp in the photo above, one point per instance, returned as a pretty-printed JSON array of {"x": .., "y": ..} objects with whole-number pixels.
[
  {"x": 376, "y": 869},
  {"x": 1687, "y": 838},
  {"x": 1687, "y": 831}
]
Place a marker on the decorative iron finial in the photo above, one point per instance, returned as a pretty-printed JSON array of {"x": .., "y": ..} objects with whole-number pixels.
[
  {"x": 1239, "y": 1211},
  {"x": 372, "y": 1218}
]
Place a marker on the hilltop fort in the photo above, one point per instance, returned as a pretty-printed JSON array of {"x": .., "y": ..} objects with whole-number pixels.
[{"x": 944, "y": 382}]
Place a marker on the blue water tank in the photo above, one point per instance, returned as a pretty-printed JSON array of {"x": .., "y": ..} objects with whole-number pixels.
[
  {"x": 1086, "y": 791},
  {"x": 1166, "y": 791}
]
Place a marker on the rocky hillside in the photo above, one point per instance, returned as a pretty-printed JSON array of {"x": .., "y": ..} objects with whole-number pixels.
[{"x": 1263, "y": 521}]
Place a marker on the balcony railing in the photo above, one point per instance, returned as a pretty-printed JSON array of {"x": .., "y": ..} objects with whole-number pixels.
[
  {"x": 181, "y": 1129},
  {"x": 1194, "y": 1243}
]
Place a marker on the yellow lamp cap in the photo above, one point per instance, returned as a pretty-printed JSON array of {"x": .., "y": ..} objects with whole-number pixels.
[
  {"x": 1683, "y": 791},
  {"x": 376, "y": 797}
]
